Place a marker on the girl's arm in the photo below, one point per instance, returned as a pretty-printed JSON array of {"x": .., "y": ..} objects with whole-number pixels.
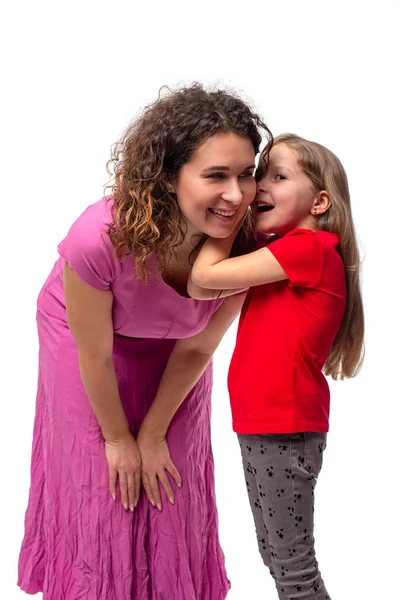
[
  {"x": 200, "y": 293},
  {"x": 185, "y": 366},
  {"x": 213, "y": 269}
]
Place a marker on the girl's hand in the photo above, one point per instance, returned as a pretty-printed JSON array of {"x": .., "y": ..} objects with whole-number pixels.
[
  {"x": 156, "y": 461},
  {"x": 124, "y": 461}
]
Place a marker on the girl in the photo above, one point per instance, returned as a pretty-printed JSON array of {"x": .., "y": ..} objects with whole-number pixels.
[
  {"x": 303, "y": 315},
  {"x": 122, "y": 348}
]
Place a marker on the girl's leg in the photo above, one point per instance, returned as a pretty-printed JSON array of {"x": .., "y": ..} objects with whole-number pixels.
[
  {"x": 285, "y": 468},
  {"x": 261, "y": 530}
]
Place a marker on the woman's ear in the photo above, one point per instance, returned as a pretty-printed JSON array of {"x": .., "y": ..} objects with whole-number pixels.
[
  {"x": 171, "y": 188},
  {"x": 321, "y": 203},
  {"x": 168, "y": 184}
]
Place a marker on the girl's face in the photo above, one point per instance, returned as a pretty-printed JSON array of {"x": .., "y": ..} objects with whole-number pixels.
[
  {"x": 285, "y": 195},
  {"x": 217, "y": 185}
]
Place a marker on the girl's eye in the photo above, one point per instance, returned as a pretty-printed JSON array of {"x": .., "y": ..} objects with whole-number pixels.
[{"x": 280, "y": 177}]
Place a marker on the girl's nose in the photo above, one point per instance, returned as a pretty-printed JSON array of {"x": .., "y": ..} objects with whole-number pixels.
[{"x": 262, "y": 185}]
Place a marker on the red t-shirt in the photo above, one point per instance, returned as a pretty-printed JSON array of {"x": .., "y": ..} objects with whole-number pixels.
[{"x": 286, "y": 330}]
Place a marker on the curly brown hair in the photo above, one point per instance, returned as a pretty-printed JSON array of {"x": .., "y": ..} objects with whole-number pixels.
[{"x": 146, "y": 218}]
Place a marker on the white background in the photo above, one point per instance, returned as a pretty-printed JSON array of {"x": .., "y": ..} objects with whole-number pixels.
[{"x": 74, "y": 74}]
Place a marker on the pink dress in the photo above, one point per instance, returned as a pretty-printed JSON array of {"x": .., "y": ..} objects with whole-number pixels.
[{"x": 78, "y": 543}]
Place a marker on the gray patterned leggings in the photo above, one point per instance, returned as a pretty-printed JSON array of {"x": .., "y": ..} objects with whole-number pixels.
[{"x": 281, "y": 472}]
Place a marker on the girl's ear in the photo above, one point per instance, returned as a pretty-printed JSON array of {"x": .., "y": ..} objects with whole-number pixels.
[{"x": 321, "y": 203}]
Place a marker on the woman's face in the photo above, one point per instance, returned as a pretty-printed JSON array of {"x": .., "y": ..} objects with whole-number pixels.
[{"x": 216, "y": 186}]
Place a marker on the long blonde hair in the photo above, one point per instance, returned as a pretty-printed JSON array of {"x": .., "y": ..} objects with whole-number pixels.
[{"x": 326, "y": 172}]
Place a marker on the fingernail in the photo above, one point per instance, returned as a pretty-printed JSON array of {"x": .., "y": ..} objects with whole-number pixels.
[
  {"x": 152, "y": 502},
  {"x": 136, "y": 503},
  {"x": 159, "y": 507},
  {"x": 179, "y": 485},
  {"x": 131, "y": 507},
  {"x": 172, "y": 500},
  {"x": 125, "y": 506},
  {"x": 113, "y": 497}
]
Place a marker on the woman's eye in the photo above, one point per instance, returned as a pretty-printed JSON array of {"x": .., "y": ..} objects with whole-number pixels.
[
  {"x": 248, "y": 174},
  {"x": 217, "y": 176}
]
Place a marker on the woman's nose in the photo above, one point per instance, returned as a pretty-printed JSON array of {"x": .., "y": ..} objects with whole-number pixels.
[{"x": 232, "y": 192}]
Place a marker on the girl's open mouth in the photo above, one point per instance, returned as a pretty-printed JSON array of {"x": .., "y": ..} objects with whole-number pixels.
[{"x": 263, "y": 207}]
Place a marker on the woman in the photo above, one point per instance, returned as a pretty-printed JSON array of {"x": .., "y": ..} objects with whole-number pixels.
[{"x": 124, "y": 370}]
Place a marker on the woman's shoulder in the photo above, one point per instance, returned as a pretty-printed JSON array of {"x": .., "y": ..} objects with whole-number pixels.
[
  {"x": 93, "y": 221},
  {"x": 95, "y": 218},
  {"x": 88, "y": 248}
]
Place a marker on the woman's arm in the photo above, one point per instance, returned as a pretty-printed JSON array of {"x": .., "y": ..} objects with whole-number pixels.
[
  {"x": 89, "y": 316},
  {"x": 214, "y": 270},
  {"x": 186, "y": 364}
]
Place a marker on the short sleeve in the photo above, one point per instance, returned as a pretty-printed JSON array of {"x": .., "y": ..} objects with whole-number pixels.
[
  {"x": 88, "y": 249},
  {"x": 301, "y": 255}
]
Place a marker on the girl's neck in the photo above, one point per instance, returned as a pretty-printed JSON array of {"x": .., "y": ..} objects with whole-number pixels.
[{"x": 311, "y": 226}]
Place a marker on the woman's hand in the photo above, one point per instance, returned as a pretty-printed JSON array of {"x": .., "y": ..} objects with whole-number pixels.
[
  {"x": 156, "y": 461},
  {"x": 124, "y": 461}
]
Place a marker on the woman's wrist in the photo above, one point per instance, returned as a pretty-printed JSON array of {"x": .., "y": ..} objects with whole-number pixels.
[
  {"x": 152, "y": 429},
  {"x": 101, "y": 386},
  {"x": 117, "y": 435}
]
